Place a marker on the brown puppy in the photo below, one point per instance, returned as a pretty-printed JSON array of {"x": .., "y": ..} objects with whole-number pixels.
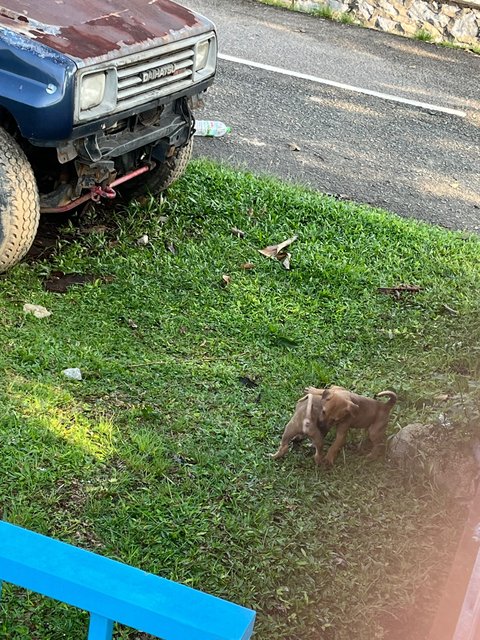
[
  {"x": 344, "y": 410},
  {"x": 305, "y": 422}
]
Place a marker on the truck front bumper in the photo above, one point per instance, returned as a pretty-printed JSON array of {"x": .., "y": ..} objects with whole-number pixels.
[
  {"x": 106, "y": 139},
  {"x": 172, "y": 127}
]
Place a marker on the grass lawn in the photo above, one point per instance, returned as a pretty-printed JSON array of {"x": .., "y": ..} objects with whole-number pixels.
[{"x": 160, "y": 456}]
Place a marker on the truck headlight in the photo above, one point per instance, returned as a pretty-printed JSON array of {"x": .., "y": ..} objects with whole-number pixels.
[
  {"x": 201, "y": 59},
  {"x": 96, "y": 93},
  {"x": 206, "y": 57},
  {"x": 92, "y": 90}
]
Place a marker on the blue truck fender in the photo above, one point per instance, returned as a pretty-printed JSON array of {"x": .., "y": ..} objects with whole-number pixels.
[{"x": 36, "y": 87}]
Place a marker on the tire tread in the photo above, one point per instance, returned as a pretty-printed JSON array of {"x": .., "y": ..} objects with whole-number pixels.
[
  {"x": 20, "y": 217},
  {"x": 163, "y": 175}
]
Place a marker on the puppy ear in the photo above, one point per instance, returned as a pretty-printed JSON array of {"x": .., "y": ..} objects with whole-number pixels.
[
  {"x": 326, "y": 394},
  {"x": 349, "y": 410},
  {"x": 352, "y": 409}
]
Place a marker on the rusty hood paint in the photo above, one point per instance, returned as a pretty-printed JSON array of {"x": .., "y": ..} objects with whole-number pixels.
[{"x": 97, "y": 30}]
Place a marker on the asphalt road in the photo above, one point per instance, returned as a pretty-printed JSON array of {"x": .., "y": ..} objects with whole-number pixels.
[{"x": 415, "y": 161}]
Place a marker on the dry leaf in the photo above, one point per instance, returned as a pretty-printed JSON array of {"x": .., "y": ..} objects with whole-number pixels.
[
  {"x": 248, "y": 265},
  {"x": 37, "y": 310},
  {"x": 99, "y": 229},
  {"x": 273, "y": 250},
  {"x": 143, "y": 241},
  {"x": 285, "y": 260},
  {"x": 293, "y": 147},
  {"x": 225, "y": 280},
  {"x": 276, "y": 252},
  {"x": 238, "y": 232}
]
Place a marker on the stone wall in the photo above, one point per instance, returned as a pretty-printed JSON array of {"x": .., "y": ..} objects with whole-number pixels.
[{"x": 446, "y": 20}]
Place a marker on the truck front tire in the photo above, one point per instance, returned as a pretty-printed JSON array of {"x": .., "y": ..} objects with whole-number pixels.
[
  {"x": 19, "y": 203},
  {"x": 162, "y": 176}
]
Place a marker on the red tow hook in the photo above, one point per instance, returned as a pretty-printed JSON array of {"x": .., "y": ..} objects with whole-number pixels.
[
  {"x": 97, "y": 193},
  {"x": 102, "y": 192}
]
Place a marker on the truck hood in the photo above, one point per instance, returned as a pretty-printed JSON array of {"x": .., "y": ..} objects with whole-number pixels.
[{"x": 95, "y": 30}]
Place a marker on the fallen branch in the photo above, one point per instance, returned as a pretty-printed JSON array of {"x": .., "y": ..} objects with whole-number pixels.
[{"x": 399, "y": 289}]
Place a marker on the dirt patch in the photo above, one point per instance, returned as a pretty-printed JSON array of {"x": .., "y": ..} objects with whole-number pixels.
[{"x": 46, "y": 239}]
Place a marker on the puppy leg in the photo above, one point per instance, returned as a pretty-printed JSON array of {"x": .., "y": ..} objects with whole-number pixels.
[
  {"x": 340, "y": 439},
  {"x": 365, "y": 443},
  {"x": 377, "y": 452},
  {"x": 376, "y": 434},
  {"x": 316, "y": 437},
  {"x": 293, "y": 428}
]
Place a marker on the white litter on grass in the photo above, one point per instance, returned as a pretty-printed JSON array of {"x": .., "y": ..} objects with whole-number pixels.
[
  {"x": 143, "y": 241},
  {"x": 37, "y": 310},
  {"x": 73, "y": 374}
]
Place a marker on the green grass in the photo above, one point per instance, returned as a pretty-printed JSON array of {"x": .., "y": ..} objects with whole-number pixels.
[
  {"x": 346, "y": 18},
  {"x": 456, "y": 45},
  {"x": 324, "y": 11},
  {"x": 160, "y": 456},
  {"x": 423, "y": 36}
]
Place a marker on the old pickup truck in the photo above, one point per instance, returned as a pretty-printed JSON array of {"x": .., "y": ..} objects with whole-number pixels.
[{"x": 94, "y": 95}]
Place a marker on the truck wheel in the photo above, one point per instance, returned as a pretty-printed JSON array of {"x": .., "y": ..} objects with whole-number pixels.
[
  {"x": 19, "y": 203},
  {"x": 162, "y": 176}
]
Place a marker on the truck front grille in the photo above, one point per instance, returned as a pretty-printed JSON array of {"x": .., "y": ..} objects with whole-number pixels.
[{"x": 153, "y": 74}]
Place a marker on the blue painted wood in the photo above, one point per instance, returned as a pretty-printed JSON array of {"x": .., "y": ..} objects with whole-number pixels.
[
  {"x": 116, "y": 591},
  {"x": 100, "y": 628}
]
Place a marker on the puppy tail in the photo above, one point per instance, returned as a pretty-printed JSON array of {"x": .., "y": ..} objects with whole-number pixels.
[
  {"x": 307, "y": 420},
  {"x": 388, "y": 394}
]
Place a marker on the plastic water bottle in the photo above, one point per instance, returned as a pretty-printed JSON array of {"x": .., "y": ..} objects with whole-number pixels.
[{"x": 211, "y": 128}]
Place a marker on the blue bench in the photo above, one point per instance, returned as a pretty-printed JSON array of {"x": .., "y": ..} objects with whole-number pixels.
[{"x": 115, "y": 592}]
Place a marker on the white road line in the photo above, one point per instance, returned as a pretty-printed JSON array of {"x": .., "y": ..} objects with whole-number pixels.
[{"x": 340, "y": 85}]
